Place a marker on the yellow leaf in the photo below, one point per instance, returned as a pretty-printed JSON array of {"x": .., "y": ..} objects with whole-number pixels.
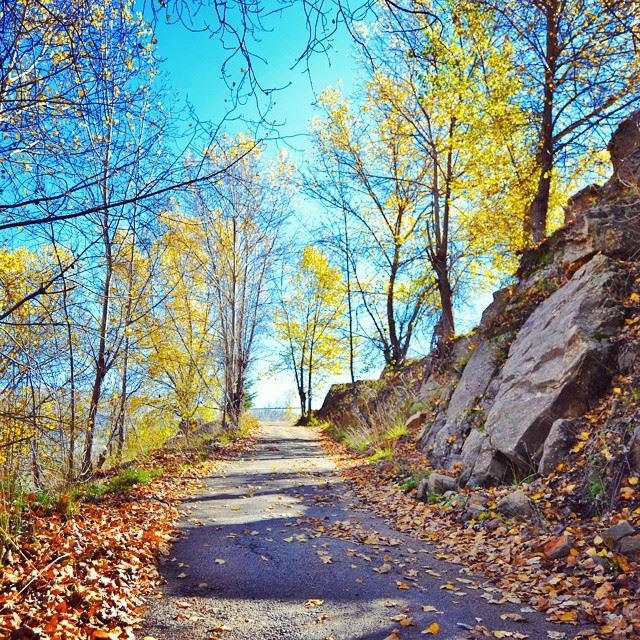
[
  {"x": 633, "y": 480},
  {"x": 568, "y": 616},
  {"x": 433, "y": 629}
]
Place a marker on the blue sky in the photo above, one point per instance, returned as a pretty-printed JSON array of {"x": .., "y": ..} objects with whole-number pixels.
[{"x": 192, "y": 63}]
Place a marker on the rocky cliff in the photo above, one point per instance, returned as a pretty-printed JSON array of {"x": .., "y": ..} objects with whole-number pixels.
[{"x": 505, "y": 402}]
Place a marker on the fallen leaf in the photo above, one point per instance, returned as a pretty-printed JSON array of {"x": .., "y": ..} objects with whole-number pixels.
[{"x": 433, "y": 629}]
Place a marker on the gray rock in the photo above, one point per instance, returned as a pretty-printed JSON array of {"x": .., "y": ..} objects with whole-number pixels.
[
  {"x": 617, "y": 532},
  {"x": 480, "y": 464},
  {"x": 477, "y": 499},
  {"x": 634, "y": 450},
  {"x": 557, "y": 364},
  {"x": 427, "y": 435},
  {"x": 629, "y": 547},
  {"x": 629, "y": 358},
  {"x": 492, "y": 312},
  {"x": 464, "y": 407},
  {"x": 608, "y": 228},
  {"x": 473, "y": 512},
  {"x": 624, "y": 149},
  {"x": 516, "y": 503},
  {"x": 422, "y": 492},
  {"x": 438, "y": 483},
  {"x": 557, "y": 446}
]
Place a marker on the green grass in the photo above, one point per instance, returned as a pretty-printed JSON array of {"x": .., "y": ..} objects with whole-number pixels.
[
  {"x": 412, "y": 481},
  {"x": 127, "y": 479},
  {"x": 383, "y": 453},
  {"x": 396, "y": 432}
]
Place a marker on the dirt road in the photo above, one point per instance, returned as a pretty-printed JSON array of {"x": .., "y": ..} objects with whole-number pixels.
[{"x": 277, "y": 549}]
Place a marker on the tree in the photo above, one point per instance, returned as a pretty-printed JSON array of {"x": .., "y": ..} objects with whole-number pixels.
[
  {"x": 243, "y": 216},
  {"x": 372, "y": 171},
  {"x": 579, "y": 65},
  {"x": 436, "y": 138},
  {"x": 308, "y": 323},
  {"x": 178, "y": 338}
]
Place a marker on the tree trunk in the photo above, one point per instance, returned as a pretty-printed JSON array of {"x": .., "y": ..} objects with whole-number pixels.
[
  {"x": 396, "y": 356},
  {"x": 538, "y": 211},
  {"x": 309, "y": 381},
  {"x": 101, "y": 359},
  {"x": 447, "y": 326}
]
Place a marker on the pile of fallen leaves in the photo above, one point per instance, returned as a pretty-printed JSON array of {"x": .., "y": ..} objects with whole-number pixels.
[
  {"x": 84, "y": 575},
  {"x": 592, "y": 586}
]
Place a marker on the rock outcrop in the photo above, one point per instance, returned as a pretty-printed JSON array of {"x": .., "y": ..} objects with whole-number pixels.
[
  {"x": 503, "y": 403},
  {"x": 546, "y": 348},
  {"x": 558, "y": 362}
]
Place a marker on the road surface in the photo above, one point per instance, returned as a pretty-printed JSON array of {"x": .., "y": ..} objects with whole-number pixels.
[{"x": 277, "y": 549}]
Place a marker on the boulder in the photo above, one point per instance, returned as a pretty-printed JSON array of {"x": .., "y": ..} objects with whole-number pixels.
[
  {"x": 629, "y": 547},
  {"x": 438, "y": 483},
  {"x": 474, "y": 512},
  {"x": 608, "y": 227},
  {"x": 491, "y": 315},
  {"x": 464, "y": 411},
  {"x": 516, "y": 503},
  {"x": 617, "y": 532},
  {"x": 624, "y": 149},
  {"x": 480, "y": 464},
  {"x": 426, "y": 436},
  {"x": 629, "y": 358},
  {"x": 558, "y": 444},
  {"x": 422, "y": 492},
  {"x": 558, "y": 363},
  {"x": 581, "y": 202}
]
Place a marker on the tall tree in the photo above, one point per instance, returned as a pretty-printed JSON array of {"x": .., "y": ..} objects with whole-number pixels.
[
  {"x": 243, "y": 215},
  {"x": 367, "y": 165},
  {"x": 579, "y": 62},
  {"x": 308, "y": 323}
]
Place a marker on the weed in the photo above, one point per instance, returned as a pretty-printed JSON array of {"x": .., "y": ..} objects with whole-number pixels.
[
  {"x": 131, "y": 477},
  {"x": 409, "y": 484},
  {"x": 384, "y": 453},
  {"x": 597, "y": 490},
  {"x": 396, "y": 432}
]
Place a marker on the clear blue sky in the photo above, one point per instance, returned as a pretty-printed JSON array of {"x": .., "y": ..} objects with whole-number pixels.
[{"x": 193, "y": 61}]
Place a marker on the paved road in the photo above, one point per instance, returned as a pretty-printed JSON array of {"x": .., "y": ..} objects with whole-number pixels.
[{"x": 276, "y": 548}]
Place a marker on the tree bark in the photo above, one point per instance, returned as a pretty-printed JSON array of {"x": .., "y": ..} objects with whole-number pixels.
[{"x": 539, "y": 208}]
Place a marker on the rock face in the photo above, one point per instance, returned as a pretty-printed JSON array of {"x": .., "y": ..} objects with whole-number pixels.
[
  {"x": 464, "y": 410},
  {"x": 500, "y": 404},
  {"x": 557, "y": 446},
  {"x": 558, "y": 361},
  {"x": 624, "y": 150}
]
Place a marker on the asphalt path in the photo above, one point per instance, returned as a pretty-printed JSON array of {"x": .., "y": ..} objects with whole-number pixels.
[{"x": 276, "y": 548}]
